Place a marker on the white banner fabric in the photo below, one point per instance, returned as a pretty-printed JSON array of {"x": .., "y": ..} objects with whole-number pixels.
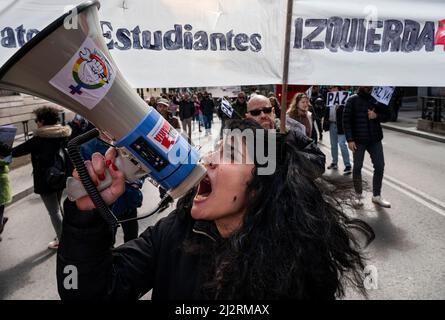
[
  {"x": 175, "y": 43},
  {"x": 202, "y": 43},
  {"x": 368, "y": 42}
]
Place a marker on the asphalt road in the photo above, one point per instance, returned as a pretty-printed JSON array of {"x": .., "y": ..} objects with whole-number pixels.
[{"x": 408, "y": 252}]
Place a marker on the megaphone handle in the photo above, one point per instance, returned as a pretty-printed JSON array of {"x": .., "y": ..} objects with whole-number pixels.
[{"x": 76, "y": 190}]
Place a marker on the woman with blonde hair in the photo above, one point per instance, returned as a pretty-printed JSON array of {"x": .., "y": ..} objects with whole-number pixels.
[{"x": 299, "y": 111}]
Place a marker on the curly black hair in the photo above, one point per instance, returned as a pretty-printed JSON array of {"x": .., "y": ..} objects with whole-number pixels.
[
  {"x": 293, "y": 244},
  {"x": 47, "y": 115}
]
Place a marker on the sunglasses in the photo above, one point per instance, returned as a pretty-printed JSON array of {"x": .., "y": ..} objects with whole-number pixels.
[{"x": 257, "y": 112}]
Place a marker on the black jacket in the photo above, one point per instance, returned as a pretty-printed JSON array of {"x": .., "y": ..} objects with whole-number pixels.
[
  {"x": 357, "y": 126},
  {"x": 240, "y": 110},
  {"x": 310, "y": 151},
  {"x": 339, "y": 116},
  {"x": 186, "y": 109},
  {"x": 156, "y": 260},
  {"x": 207, "y": 106},
  {"x": 43, "y": 147}
]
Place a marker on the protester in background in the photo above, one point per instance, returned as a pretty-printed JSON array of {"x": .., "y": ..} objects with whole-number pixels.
[
  {"x": 162, "y": 108},
  {"x": 79, "y": 125},
  {"x": 5, "y": 191},
  {"x": 276, "y": 106},
  {"x": 229, "y": 238},
  {"x": 260, "y": 110},
  {"x": 299, "y": 111},
  {"x": 44, "y": 146},
  {"x": 186, "y": 113},
  {"x": 240, "y": 106},
  {"x": 396, "y": 103},
  {"x": 333, "y": 122},
  {"x": 198, "y": 114},
  {"x": 173, "y": 106},
  {"x": 317, "y": 102},
  {"x": 152, "y": 102},
  {"x": 207, "y": 108},
  {"x": 361, "y": 122}
]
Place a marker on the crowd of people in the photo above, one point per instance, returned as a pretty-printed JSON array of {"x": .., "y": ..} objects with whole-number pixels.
[{"x": 238, "y": 234}]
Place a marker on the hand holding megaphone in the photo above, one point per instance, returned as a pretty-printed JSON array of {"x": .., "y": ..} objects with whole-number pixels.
[
  {"x": 105, "y": 174},
  {"x": 100, "y": 173}
]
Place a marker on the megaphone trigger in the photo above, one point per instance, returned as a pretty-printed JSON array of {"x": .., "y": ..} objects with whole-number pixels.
[
  {"x": 131, "y": 170},
  {"x": 75, "y": 189}
]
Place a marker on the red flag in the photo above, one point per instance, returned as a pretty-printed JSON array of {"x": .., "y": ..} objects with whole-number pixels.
[{"x": 440, "y": 34}]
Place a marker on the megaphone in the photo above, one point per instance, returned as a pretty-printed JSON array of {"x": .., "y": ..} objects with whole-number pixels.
[{"x": 73, "y": 68}]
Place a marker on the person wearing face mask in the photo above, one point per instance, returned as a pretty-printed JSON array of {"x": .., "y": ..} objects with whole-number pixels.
[
  {"x": 362, "y": 116},
  {"x": 229, "y": 238},
  {"x": 260, "y": 109}
]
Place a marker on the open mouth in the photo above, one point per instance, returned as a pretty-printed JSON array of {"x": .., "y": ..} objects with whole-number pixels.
[{"x": 204, "y": 189}]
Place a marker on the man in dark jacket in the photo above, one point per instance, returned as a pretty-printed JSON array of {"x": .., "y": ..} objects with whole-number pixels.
[
  {"x": 186, "y": 113},
  {"x": 259, "y": 108},
  {"x": 318, "y": 109},
  {"x": 361, "y": 122},
  {"x": 207, "y": 108},
  {"x": 240, "y": 106}
]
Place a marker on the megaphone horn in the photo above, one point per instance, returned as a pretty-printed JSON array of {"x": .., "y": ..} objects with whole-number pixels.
[{"x": 73, "y": 68}]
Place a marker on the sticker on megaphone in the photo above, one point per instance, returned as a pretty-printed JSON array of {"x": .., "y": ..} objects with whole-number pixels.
[{"x": 87, "y": 76}]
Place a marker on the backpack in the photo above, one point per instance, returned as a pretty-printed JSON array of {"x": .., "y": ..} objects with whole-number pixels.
[{"x": 56, "y": 174}]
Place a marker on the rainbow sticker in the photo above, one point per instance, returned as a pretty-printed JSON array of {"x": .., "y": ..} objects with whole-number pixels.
[{"x": 88, "y": 75}]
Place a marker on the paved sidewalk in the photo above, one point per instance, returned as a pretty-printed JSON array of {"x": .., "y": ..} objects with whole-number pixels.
[
  {"x": 407, "y": 123},
  {"x": 21, "y": 182}
]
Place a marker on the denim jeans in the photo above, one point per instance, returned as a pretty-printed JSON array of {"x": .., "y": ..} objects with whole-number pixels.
[
  {"x": 338, "y": 140},
  {"x": 52, "y": 204},
  {"x": 207, "y": 121},
  {"x": 375, "y": 150}
]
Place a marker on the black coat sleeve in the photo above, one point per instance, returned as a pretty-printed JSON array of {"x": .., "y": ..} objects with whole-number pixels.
[
  {"x": 310, "y": 151},
  {"x": 383, "y": 112},
  {"x": 347, "y": 119},
  {"x": 104, "y": 273},
  {"x": 21, "y": 150},
  {"x": 326, "y": 123}
]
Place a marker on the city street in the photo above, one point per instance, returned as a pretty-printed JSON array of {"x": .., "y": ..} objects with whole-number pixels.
[{"x": 408, "y": 252}]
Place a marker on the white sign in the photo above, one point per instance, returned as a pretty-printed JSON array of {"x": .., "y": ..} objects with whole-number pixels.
[
  {"x": 219, "y": 92},
  {"x": 383, "y": 94},
  {"x": 87, "y": 77},
  {"x": 368, "y": 42},
  {"x": 175, "y": 43},
  {"x": 226, "y": 107},
  {"x": 337, "y": 98},
  {"x": 200, "y": 43}
]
